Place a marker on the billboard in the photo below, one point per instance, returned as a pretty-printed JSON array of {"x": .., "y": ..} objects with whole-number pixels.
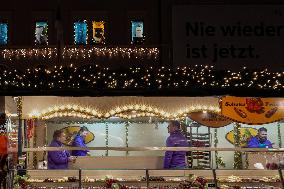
[{"x": 228, "y": 36}]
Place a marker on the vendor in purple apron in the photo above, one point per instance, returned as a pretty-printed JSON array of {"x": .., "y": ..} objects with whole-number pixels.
[
  {"x": 175, "y": 159},
  {"x": 260, "y": 140},
  {"x": 58, "y": 159},
  {"x": 79, "y": 141}
]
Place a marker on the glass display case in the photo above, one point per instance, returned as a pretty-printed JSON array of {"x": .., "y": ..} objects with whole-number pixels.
[{"x": 145, "y": 178}]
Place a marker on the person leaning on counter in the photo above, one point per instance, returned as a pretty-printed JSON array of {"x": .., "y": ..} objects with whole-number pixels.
[
  {"x": 260, "y": 140},
  {"x": 175, "y": 159},
  {"x": 79, "y": 141},
  {"x": 58, "y": 159}
]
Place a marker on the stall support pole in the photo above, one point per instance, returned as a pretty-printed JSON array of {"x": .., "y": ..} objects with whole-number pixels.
[
  {"x": 281, "y": 178},
  {"x": 147, "y": 178},
  {"x": 80, "y": 178},
  {"x": 215, "y": 178}
]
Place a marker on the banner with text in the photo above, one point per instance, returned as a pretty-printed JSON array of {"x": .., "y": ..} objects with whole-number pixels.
[
  {"x": 252, "y": 110},
  {"x": 209, "y": 119},
  {"x": 228, "y": 36}
]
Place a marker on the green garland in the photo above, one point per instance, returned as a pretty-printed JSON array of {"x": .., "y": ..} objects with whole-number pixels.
[
  {"x": 126, "y": 137},
  {"x": 218, "y": 159},
  {"x": 106, "y": 138},
  {"x": 237, "y": 155},
  {"x": 279, "y": 135}
]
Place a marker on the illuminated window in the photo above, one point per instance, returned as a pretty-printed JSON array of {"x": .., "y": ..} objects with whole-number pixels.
[
  {"x": 80, "y": 29},
  {"x": 41, "y": 36},
  {"x": 3, "y": 33},
  {"x": 99, "y": 32},
  {"x": 137, "y": 31}
]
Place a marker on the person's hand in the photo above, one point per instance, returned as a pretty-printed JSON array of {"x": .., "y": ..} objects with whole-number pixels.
[{"x": 72, "y": 159}]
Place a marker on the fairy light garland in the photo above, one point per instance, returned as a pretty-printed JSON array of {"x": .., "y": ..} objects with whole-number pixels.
[
  {"x": 126, "y": 136},
  {"x": 142, "y": 78},
  {"x": 72, "y": 53},
  {"x": 127, "y": 112},
  {"x": 279, "y": 135},
  {"x": 106, "y": 138},
  {"x": 237, "y": 155}
]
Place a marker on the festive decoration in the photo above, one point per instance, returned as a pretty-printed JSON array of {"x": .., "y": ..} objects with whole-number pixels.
[
  {"x": 35, "y": 159},
  {"x": 218, "y": 160},
  {"x": 245, "y": 135},
  {"x": 237, "y": 155},
  {"x": 80, "y": 33},
  {"x": 20, "y": 182},
  {"x": 3, "y": 33},
  {"x": 106, "y": 137},
  {"x": 126, "y": 136},
  {"x": 41, "y": 35},
  {"x": 279, "y": 135},
  {"x": 126, "y": 111},
  {"x": 98, "y": 32},
  {"x": 19, "y": 103},
  {"x": 90, "y": 77},
  {"x": 113, "y": 184},
  {"x": 197, "y": 182},
  {"x": 81, "y": 53},
  {"x": 30, "y": 128},
  {"x": 137, "y": 32}
]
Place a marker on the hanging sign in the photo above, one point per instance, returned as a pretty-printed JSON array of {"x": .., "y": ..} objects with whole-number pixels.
[
  {"x": 252, "y": 110},
  {"x": 72, "y": 131},
  {"x": 209, "y": 119},
  {"x": 245, "y": 135}
]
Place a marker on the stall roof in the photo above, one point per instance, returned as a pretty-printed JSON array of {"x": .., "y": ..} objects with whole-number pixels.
[{"x": 44, "y": 106}]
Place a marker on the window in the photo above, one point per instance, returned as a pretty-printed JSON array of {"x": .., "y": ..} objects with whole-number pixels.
[
  {"x": 99, "y": 32},
  {"x": 80, "y": 29},
  {"x": 41, "y": 36},
  {"x": 3, "y": 33},
  {"x": 137, "y": 32}
]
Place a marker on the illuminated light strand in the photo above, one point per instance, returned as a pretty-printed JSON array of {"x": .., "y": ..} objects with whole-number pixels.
[
  {"x": 80, "y": 52},
  {"x": 93, "y": 76},
  {"x": 126, "y": 112}
]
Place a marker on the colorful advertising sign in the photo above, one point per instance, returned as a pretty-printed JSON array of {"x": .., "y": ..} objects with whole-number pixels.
[{"x": 252, "y": 110}]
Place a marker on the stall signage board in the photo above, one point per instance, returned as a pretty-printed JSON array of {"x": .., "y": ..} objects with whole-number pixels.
[
  {"x": 220, "y": 36},
  {"x": 209, "y": 119},
  {"x": 251, "y": 110}
]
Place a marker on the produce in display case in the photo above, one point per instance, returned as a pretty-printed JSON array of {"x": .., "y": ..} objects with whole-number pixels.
[{"x": 155, "y": 179}]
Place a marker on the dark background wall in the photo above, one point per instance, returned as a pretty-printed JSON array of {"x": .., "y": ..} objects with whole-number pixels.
[{"x": 156, "y": 14}]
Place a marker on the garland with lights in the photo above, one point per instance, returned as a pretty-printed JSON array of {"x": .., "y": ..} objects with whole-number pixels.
[
  {"x": 126, "y": 112},
  {"x": 126, "y": 137},
  {"x": 237, "y": 155},
  {"x": 279, "y": 135},
  {"x": 218, "y": 159},
  {"x": 86, "y": 52},
  {"x": 106, "y": 137},
  {"x": 96, "y": 78}
]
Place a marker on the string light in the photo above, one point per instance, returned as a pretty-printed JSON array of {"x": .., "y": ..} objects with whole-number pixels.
[
  {"x": 126, "y": 136},
  {"x": 279, "y": 135},
  {"x": 102, "y": 78},
  {"x": 80, "y": 53},
  {"x": 237, "y": 155},
  {"x": 126, "y": 111},
  {"x": 106, "y": 137}
]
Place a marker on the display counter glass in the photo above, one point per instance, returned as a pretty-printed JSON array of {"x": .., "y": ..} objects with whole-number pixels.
[{"x": 149, "y": 178}]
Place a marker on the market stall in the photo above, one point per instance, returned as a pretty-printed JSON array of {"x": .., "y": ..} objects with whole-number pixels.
[{"x": 129, "y": 133}]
